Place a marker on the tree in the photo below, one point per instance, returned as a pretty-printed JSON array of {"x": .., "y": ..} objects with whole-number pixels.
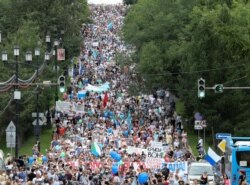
[{"x": 178, "y": 42}]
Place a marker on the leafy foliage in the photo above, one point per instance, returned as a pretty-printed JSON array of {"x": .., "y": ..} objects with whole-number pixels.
[
  {"x": 178, "y": 42},
  {"x": 25, "y": 23}
]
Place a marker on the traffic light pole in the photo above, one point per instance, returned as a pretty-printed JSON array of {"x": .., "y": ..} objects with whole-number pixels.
[{"x": 228, "y": 88}]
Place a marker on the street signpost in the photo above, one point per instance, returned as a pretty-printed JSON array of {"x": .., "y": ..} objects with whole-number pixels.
[
  {"x": 222, "y": 135},
  {"x": 40, "y": 114},
  {"x": 11, "y": 136},
  {"x": 222, "y": 145},
  {"x": 40, "y": 122},
  {"x": 37, "y": 128},
  {"x": 197, "y": 125}
]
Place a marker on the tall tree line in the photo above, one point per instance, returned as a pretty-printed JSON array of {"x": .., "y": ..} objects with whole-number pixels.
[
  {"x": 177, "y": 42},
  {"x": 26, "y": 23}
]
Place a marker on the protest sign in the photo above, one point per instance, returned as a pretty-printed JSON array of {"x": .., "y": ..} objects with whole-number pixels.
[
  {"x": 155, "y": 144},
  {"x": 63, "y": 106},
  {"x": 155, "y": 155},
  {"x": 131, "y": 150},
  {"x": 79, "y": 108},
  {"x": 181, "y": 166}
]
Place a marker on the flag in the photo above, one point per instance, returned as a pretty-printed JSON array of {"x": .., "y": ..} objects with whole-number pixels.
[
  {"x": 129, "y": 122},
  {"x": 80, "y": 68},
  {"x": 105, "y": 100},
  {"x": 212, "y": 157},
  {"x": 110, "y": 26},
  {"x": 95, "y": 149}
]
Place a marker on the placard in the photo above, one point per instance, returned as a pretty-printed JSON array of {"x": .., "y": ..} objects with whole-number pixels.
[{"x": 155, "y": 155}]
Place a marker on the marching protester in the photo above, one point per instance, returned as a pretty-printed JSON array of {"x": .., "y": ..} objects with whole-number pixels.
[{"x": 102, "y": 135}]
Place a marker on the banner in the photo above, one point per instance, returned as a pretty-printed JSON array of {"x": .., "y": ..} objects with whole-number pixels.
[
  {"x": 101, "y": 88},
  {"x": 155, "y": 157},
  {"x": 181, "y": 167},
  {"x": 124, "y": 167},
  {"x": 131, "y": 150},
  {"x": 155, "y": 144},
  {"x": 78, "y": 108},
  {"x": 60, "y": 54},
  {"x": 95, "y": 44},
  {"x": 63, "y": 106}
]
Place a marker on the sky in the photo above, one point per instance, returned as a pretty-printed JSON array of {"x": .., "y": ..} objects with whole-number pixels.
[{"x": 104, "y": 1}]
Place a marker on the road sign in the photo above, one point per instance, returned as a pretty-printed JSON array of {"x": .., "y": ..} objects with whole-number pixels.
[
  {"x": 222, "y": 135},
  {"x": 11, "y": 135},
  {"x": 197, "y": 125},
  {"x": 10, "y": 139},
  {"x": 222, "y": 145},
  {"x": 40, "y": 114},
  {"x": 39, "y": 122},
  {"x": 11, "y": 127}
]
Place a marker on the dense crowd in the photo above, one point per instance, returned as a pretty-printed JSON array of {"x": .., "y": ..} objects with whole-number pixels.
[{"x": 106, "y": 141}]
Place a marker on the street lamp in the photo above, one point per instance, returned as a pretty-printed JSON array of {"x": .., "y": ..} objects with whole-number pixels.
[
  {"x": 38, "y": 129},
  {"x": 56, "y": 44},
  {"x": 47, "y": 38},
  {"x": 46, "y": 56},
  {"x": 4, "y": 56},
  {"x": 28, "y": 56},
  {"x": 16, "y": 51},
  {"x": 17, "y": 96}
]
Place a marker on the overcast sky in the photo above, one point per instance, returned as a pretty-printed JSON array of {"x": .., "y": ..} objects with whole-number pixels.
[{"x": 104, "y": 1}]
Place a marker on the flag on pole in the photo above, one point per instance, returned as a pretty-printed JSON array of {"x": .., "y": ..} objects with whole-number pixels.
[
  {"x": 95, "y": 149},
  {"x": 212, "y": 157},
  {"x": 105, "y": 100}
]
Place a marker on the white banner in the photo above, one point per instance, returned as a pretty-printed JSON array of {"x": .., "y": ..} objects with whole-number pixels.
[
  {"x": 78, "y": 108},
  {"x": 155, "y": 157},
  {"x": 63, "y": 106},
  {"x": 68, "y": 107},
  {"x": 131, "y": 150},
  {"x": 155, "y": 144}
]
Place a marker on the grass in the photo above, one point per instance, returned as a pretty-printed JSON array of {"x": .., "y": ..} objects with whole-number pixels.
[
  {"x": 26, "y": 148},
  {"x": 180, "y": 108},
  {"x": 193, "y": 141},
  {"x": 192, "y": 135}
]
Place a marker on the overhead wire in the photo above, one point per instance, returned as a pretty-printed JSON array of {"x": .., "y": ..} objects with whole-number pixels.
[{"x": 8, "y": 104}]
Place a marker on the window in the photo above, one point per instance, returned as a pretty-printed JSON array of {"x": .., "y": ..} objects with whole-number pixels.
[{"x": 243, "y": 158}]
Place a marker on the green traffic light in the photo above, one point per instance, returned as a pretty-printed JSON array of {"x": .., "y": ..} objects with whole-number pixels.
[
  {"x": 201, "y": 94},
  {"x": 201, "y": 88},
  {"x": 62, "y": 89}
]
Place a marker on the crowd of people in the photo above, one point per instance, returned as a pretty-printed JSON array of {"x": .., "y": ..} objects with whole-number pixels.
[{"x": 106, "y": 140}]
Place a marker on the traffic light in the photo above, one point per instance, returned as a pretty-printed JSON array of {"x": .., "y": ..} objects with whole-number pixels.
[
  {"x": 218, "y": 88},
  {"x": 201, "y": 88},
  {"x": 61, "y": 83}
]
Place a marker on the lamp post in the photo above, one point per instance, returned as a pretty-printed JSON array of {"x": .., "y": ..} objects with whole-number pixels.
[
  {"x": 38, "y": 127},
  {"x": 16, "y": 97},
  {"x": 17, "y": 94},
  {"x": 56, "y": 44}
]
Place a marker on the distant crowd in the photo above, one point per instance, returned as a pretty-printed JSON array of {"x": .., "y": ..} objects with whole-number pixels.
[{"x": 113, "y": 138}]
